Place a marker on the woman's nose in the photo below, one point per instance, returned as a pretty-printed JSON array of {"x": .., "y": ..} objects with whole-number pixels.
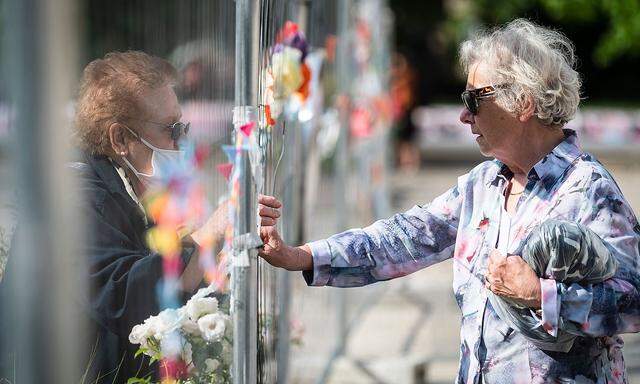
[{"x": 466, "y": 117}]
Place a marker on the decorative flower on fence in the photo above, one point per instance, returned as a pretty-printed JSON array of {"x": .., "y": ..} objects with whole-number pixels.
[
  {"x": 287, "y": 75},
  {"x": 286, "y": 70}
]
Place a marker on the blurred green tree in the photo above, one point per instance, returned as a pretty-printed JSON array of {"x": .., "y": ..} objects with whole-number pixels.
[
  {"x": 606, "y": 34},
  {"x": 620, "y": 19},
  {"x": 623, "y": 34}
]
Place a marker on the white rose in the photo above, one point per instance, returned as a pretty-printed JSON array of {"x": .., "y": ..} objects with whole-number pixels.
[
  {"x": 198, "y": 307},
  {"x": 211, "y": 365},
  {"x": 166, "y": 322},
  {"x": 139, "y": 334},
  {"x": 190, "y": 327},
  {"x": 155, "y": 326},
  {"x": 213, "y": 326},
  {"x": 203, "y": 292}
]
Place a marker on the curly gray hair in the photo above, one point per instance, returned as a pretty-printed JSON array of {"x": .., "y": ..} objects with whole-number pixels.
[{"x": 532, "y": 61}]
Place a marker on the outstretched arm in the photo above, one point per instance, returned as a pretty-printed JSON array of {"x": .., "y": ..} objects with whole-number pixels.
[{"x": 402, "y": 244}]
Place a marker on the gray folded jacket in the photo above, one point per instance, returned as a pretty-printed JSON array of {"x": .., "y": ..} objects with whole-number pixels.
[{"x": 567, "y": 252}]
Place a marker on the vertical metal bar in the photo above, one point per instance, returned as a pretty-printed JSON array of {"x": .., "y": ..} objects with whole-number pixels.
[
  {"x": 381, "y": 196},
  {"x": 244, "y": 279},
  {"x": 341, "y": 166},
  {"x": 290, "y": 237},
  {"x": 345, "y": 323},
  {"x": 292, "y": 219},
  {"x": 42, "y": 50},
  {"x": 341, "y": 159}
]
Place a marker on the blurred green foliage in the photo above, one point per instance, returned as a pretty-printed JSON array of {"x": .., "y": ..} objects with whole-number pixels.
[
  {"x": 606, "y": 34},
  {"x": 620, "y": 19}
]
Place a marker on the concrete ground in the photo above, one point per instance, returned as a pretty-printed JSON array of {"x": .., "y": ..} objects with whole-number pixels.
[{"x": 407, "y": 320}]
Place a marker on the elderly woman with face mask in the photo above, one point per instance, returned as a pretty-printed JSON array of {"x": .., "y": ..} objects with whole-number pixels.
[
  {"x": 522, "y": 88},
  {"x": 128, "y": 127}
]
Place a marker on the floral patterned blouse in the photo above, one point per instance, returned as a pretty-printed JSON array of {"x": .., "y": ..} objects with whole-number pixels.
[{"x": 464, "y": 224}]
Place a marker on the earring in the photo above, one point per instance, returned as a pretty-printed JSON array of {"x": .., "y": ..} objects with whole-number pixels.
[{"x": 122, "y": 153}]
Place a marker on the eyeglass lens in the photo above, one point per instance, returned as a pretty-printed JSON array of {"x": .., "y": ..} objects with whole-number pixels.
[
  {"x": 179, "y": 129},
  {"x": 469, "y": 102}
]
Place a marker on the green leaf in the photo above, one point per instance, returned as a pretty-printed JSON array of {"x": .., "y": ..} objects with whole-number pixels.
[
  {"x": 137, "y": 380},
  {"x": 139, "y": 352},
  {"x": 215, "y": 349}
]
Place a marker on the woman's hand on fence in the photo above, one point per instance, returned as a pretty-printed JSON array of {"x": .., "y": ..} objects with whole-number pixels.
[
  {"x": 274, "y": 250},
  {"x": 269, "y": 211},
  {"x": 212, "y": 232}
]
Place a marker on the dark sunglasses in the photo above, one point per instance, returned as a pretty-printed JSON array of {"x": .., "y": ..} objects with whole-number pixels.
[
  {"x": 177, "y": 129},
  {"x": 470, "y": 97}
]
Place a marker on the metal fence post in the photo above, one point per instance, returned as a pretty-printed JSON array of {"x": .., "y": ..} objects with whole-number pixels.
[
  {"x": 342, "y": 158},
  {"x": 292, "y": 220},
  {"x": 341, "y": 168},
  {"x": 41, "y": 55},
  {"x": 244, "y": 278}
]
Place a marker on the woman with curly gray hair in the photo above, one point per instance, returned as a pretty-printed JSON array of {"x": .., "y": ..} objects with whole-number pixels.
[{"x": 583, "y": 290}]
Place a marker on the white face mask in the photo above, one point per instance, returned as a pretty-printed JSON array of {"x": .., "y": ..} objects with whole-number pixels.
[{"x": 162, "y": 160}]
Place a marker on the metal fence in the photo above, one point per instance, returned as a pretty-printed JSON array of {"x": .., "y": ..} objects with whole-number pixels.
[{"x": 338, "y": 137}]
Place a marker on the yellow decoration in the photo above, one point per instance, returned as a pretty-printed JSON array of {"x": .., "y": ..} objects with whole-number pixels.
[
  {"x": 164, "y": 240},
  {"x": 286, "y": 72}
]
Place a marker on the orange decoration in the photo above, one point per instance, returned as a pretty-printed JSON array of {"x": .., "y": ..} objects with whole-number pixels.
[
  {"x": 303, "y": 91},
  {"x": 267, "y": 115},
  {"x": 157, "y": 205}
]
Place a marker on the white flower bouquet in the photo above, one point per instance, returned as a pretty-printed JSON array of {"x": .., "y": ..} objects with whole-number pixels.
[{"x": 193, "y": 344}]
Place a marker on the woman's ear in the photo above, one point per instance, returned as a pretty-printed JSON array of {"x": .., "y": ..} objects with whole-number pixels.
[
  {"x": 118, "y": 137},
  {"x": 527, "y": 110}
]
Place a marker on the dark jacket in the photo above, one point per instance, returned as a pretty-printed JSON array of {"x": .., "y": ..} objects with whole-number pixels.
[{"x": 122, "y": 272}]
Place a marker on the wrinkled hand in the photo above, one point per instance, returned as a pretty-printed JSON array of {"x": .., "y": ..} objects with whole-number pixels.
[
  {"x": 512, "y": 277},
  {"x": 274, "y": 250},
  {"x": 268, "y": 209},
  {"x": 212, "y": 232}
]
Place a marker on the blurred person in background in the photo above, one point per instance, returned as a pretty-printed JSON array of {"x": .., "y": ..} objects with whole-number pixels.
[
  {"x": 522, "y": 88},
  {"x": 404, "y": 81},
  {"x": 205, "y": 89},
  {"x": 128, "y": 125}
]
